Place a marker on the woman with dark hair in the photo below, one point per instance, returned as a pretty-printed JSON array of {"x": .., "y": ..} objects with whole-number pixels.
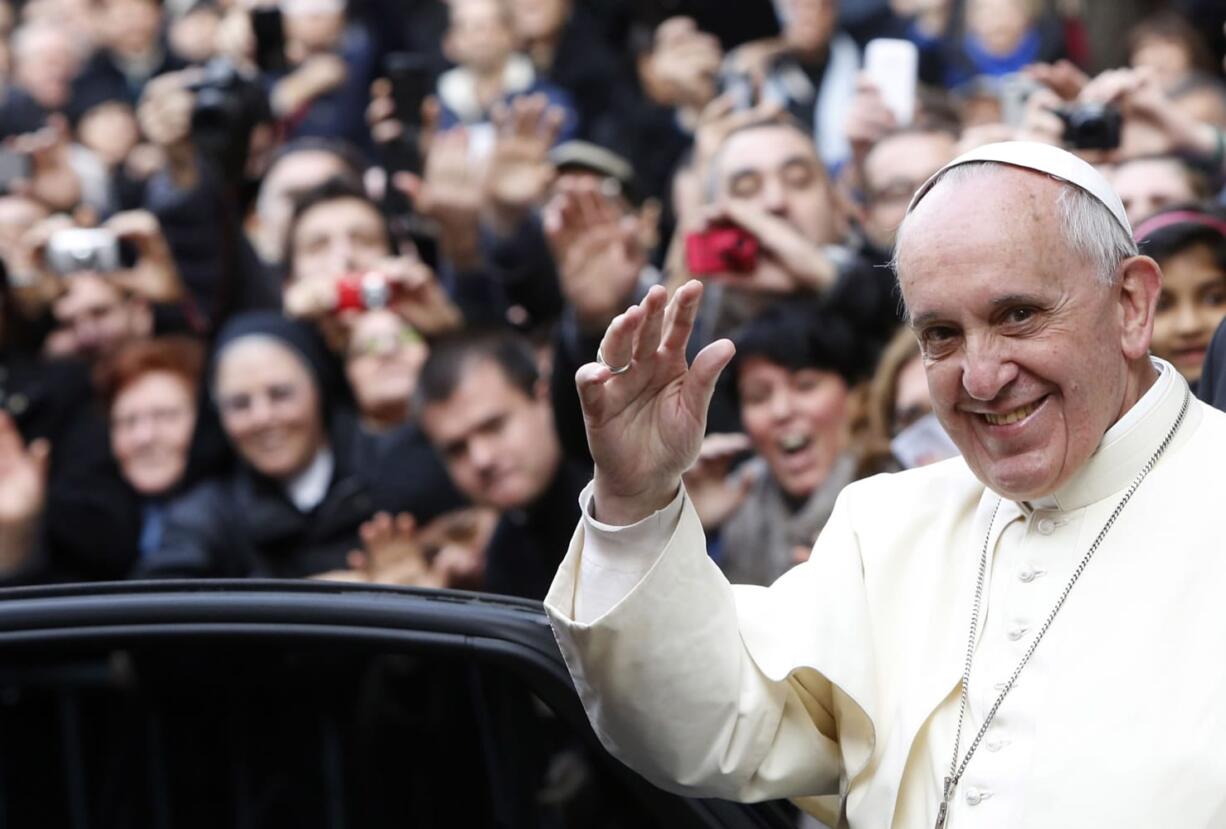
[
  {"x": 306, "y": 476},
  {"x": 792, "y": 374},
  {"x": 1189, "y": 243}
]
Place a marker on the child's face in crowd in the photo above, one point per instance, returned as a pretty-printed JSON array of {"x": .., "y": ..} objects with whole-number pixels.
[
  {"x": 270, "y": 407},
  {"x": 1190, "y": 307},
  {"x": 480, "y": 35},
  {"x": 152, "y": 420},
  {"x": 795, "y": 420},
  {"x": 384, "y": 358},
  {"x": 499, "y": 444},
  {"x": 999, "y": 25},
  {"x": 337, "y": 237}
]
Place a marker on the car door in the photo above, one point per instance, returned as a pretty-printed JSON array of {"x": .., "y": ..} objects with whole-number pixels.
[{"x": 304, "y": 704}]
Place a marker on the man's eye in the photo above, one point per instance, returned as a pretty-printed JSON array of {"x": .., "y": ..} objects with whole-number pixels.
[
  {"x": 938, "y": 334},
  {"x": 1019, "y": 315}
]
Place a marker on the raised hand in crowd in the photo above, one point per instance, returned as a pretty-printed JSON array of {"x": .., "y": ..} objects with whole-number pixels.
[
  {"x": 716, "y": 495},
  {"x": 682, "y": 68},
  {"x": 23, "y": 493},
  {"x": 450, "y": 193},
  {"x": 721, "y": 118},
  {"x": 165, "y": 117},
  {"x": 519, "y": 173},
  {"x": 34, "y": 285},
  {"x": 645, "y": 423},
  {"x": 868, "y": 119},
  {"x": 446, "y": 553},
  {"x": 599, "y": 253},
  {"x": 154, "y": 276},
  {"x": 1153, "y": 124},
  {"x": 52, "y": 179},
  {"x": 316, "y": 76},
  {"x": 1063, "y": 77}
]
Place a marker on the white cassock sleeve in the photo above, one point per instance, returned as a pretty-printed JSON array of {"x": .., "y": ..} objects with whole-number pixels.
[{"x": 702, "y": 687}]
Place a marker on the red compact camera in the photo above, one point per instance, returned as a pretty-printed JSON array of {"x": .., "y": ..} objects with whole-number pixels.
[
  {"x": 721, "y": 249},
  {"x": 364, "y": 291}
]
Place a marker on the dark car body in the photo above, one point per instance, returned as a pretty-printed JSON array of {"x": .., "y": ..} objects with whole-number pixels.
[{"x": 304, "y": 704}]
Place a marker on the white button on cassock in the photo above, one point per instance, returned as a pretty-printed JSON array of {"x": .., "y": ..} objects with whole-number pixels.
[
  {"x": 1046, "y": 526},
  {"x": 1017, "y": 632}
]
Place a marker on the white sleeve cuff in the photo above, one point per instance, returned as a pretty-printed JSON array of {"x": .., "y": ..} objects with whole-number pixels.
[{"x": 615, "y": 559}]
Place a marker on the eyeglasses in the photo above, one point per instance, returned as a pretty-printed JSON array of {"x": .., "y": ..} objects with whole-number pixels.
[{"x": 379, "y": 345}]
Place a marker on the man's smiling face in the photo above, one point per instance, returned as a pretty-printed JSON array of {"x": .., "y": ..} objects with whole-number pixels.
[{"x": 1024, "y": 346}]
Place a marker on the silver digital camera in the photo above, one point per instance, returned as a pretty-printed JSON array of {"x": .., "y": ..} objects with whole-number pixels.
[{"x": 82, "y": 249}]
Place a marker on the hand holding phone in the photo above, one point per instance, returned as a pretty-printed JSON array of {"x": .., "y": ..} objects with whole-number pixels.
[
  {"x": 720, "y": 249},
  {"x": 892, "y": 65}
]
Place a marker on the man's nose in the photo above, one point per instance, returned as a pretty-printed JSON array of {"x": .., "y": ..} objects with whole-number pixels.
[
  {"x": 986, "y": 370},
  {"x": 482, "y": 453},
  {"x": 342, "y": 257},
  {"x": 774, "y": 196}
]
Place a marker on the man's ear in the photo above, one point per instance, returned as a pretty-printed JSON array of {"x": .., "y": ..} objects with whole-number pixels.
[{"x": 1140, "y": 283}]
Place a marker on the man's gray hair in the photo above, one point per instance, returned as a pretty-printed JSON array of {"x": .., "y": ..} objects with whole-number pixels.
[{"x": 1087, "y": 225}]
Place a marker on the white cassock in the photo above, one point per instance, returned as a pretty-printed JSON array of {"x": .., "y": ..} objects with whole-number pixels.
[{"x": 843, "y": 677}]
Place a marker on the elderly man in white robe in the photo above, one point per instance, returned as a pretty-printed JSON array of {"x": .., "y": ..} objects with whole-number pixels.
[{"x": 1030, "y": 635}]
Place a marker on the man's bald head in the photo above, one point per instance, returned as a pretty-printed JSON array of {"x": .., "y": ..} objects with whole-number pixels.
[{"x": 1086, "y": 226}]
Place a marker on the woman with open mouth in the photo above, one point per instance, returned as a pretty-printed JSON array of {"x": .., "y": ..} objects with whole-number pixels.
[{"x": 792, "y": 376}]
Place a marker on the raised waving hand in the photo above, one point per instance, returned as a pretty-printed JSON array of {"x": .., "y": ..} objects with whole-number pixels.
[{"x": 644, "y": 407}]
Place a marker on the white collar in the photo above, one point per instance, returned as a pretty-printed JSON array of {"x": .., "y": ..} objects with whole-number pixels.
[{"x": 307, "y": 489}]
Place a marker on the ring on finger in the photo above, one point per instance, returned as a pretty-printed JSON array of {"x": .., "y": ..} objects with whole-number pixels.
[{"x": 614, "y": 371}]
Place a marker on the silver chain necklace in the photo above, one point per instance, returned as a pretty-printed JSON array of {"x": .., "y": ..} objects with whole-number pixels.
[{"x": 957, "y": 769}]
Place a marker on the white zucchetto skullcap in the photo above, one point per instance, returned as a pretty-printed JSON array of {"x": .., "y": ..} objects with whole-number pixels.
[{"x": 1043, "y": 158}]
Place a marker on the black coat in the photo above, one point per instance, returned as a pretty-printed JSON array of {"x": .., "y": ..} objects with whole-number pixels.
[
  {"x": 90, "y": 523},
  {"x": 1212, "y": 385},
  {"x": 529, "y": 544},
  {"x": 243, "y": 525}
]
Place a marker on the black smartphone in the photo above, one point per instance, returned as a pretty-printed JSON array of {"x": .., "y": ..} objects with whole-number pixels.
[
  {"x": 13, "y": 165},
  {"x": 412, "y": 80},
  {"x": 269, "y": 29}
]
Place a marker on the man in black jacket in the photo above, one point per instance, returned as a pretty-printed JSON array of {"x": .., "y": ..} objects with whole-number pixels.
[{"x": 488, "y": 413}]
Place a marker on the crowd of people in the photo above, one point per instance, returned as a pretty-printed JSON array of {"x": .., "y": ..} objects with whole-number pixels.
[{"x": 300, "y": 288}]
